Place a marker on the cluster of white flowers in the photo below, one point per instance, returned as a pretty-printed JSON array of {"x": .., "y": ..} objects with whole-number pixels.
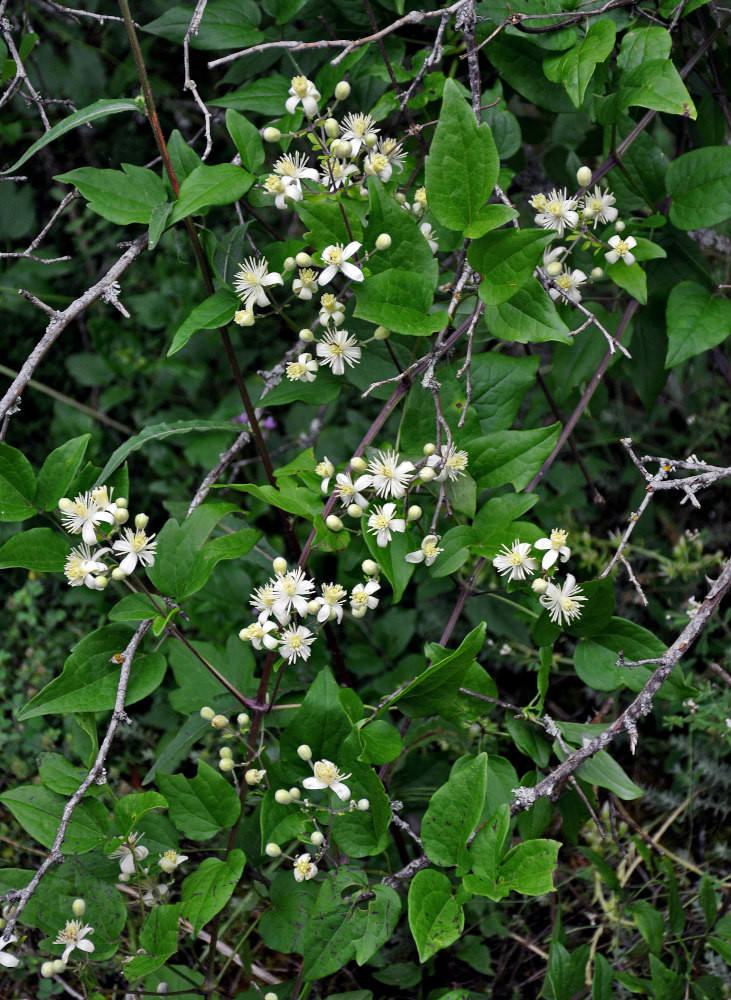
[
  {"x": 130, "y": 853},
  {"x": 84, "y": 516},
  {"x": 563, "y": 602},
  {"x": 73, "y": 936}
]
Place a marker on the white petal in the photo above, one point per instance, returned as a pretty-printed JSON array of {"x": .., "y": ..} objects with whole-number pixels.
[
  {"x": 313, "y": 783},
  {"x": 342, "y": 791}
]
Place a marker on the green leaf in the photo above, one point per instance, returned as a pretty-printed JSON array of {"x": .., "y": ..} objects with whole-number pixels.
[
  {"x": 409, "y": 251},
  {"x": 605, "y": 772},
  {"x": 94, "y": 111},
  {"x": 39, "y": 811},
  {"x": 39, "y": 549},
  {"x": 399, "y": 300},
  {"x": 221, "y": 184},
  {"x": 324, "y": 389},
  {"x": 495, "y": 517},
  {"x": 295, "y": 499},
  {"x": 463, "y": 163},
  {"x": 334, "y": 924},
  {"x": 601, "y": 984},
  {"x": 380, "y": 922},
  {"x": 157, "y": 432},
  {"x": 133, "y": 608},
  {"x": 246, "y": 139},
  {"x": 576, "y": 68},
  {"x": 121, "y": 196},
  {"x": 597, "y": 611},
  {"x": 381, "y": 742},
  {"x": 453, "y": 813},
  {"x": 202, "y": 806},
  {"x": 630, "y": 277},
  {"x": 696, "y": 322},
  {"x": 59, "y": 775},
  {"x": 506, "y": 260},
  {"x": 158, "y": 941},
  {"x": 650, "y": 923},
  {"x": 283, "y": 926},
  {"x": 226, "y": 24},
  {"x": 59, "y": 471},
  {"x": 699, "y": 182},
  {"x": 656, "y": 84},
  {"x": 435, "y": 917},
  {"x": 17, "y": 485},
  {"x": 528, "y": 317},
  {"x": 643, "y": 44},
  {"x": 158, "y": 222},
  {"x": 128, "y": 811},
  {"x": 430, "y": 690},
  {"x": 490, "y": 217},
  {"x": 519, "y": 63},
  {"x": 486, "y": 850},
  {"x": 527, "y": 869},
  {"x": 207, "y": 890},
  {"x": 392, "y": 558},
  {"x": 320, "y": 722},
  {"x": 511, "y": 456}
]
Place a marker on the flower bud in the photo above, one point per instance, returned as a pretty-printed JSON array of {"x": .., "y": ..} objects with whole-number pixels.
[
  {"x": 271, "y": 134},
  {"x": 289, "y": 264},
  {"x": 317, "y": 838},
  {"x": 303, "y": 259},
  {"x": 118, "y": 573},
  {"x": 304, "y": 752},
  {"x": 226, "y": 752},
  {"x": 342, "y": 92},
  {"x": 141, "y": 522},
  {"x": 244, "y": 317},
  {"x": 383, "y": 242},
  {"x": 539, "y": 586},
  {"x": 65, "y": 504},
  {"x": 332, "y": 129},
  {"x": 78, "y": 907},
  {"x": 101, "y": 583},
  {"x": 355, "y": 511},
  {"x": 381, "y": 333},
  {"x": 306, "y": 335},
  {"x": 219, "y": 721},
  {"x": 363, "y": 805},
  {"x": 272, "y": 850},
  {"x": 426, "y": 474},
  {"x": 121, "y": 515},
  {"x": 59, "y": 966},
  {"x": 554, "y": 268},
  {"x": 370, "y": 140},
  {"x": 597, "y": 273},
  {"x": 226, "y": 764},
  {"x": 122, "y": 502},
  {"x": 270, "y": 996},
  {"x": 588, "y": 212},
  {"x": 400, "y": 197},
  {"x": 333, "y": 522},
  {"x": 414, "y": 513},
  {"x": 619, "y": 226},
  {"x": 282, "y": 796},
  {"x": 429, "y": 448},
  {"x": 242, "y": 719},
  {"x": 369, "y": 567},
  {"x": 313, "y": 606},
  {"x": 253, "y": 776},
  {"x": 295, "y": 793},
  {"x": 358, "y": 464},
  {"x": 279, "y": 565},
  {"x": 358, "y": 612},
  {"x": 207, "y": 713},
  {"x": 47, "y": 970},
  {"x": 583, "y": 176},
  {"x": 341, "y": 148}
]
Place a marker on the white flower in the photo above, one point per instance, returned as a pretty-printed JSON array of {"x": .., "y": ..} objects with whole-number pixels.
[
  {"x": 563, "y": 603},
  {"x": 9, "y": 961},
  {"x": 428, "y": 233},
  {"x": 336, "y": 348},
  {"x": 420, "y": 202},
  {"x": 74, "y": 936},
  {"x": 83, "y": 514},
  {"x": 327, "y": 775},
  {"x": 556, "y": 546},
  {"x": 81, "y": 565},
  {"x": 304, "y": 868},
  {"x": 325, "y": 470},
  {"x": 361, "y": 596},
  {"x": 349, "y": 491},
  {"x": 262, "y": 600},
  {"x": 331, "y": 602},
  {"x": 599, "y": 205},
  {"x": 621, "y": 249},
  {"x": 252, "y": 278},
  {"x": 293, "y": 170},
  {"x": 389, "y": 476},
  {"x": 569, "y": 282},
  {"x": 558, "y": 212},
  {"x": 396, "y": 156},
  {"x": 453, "y": 463},
  {"x": 305, "y": 91},
  {"x": 139, "y": 548},
  {"x": 304, "y": 369},
  {"x": 331, "y": 311},
  {"x": 336, "y": 172},
  {"x": 259, "y": 632},
  {"x": 335, "y": 258},
  {"x": 244, "y": 317},
  {"x": 517, "y": 561},
  {"x": 359, "y": 130},
  {"x": 296, "y": 642},
  {"x": 170, "y": 860},
  {"x": 382, "y": 522},
  {"x": 293, "y": 590},
  {"x": 378, "y": 165},
  {"x": 428, "y": 551},
  {"x": 129, "y": 852},
  {"x": 276, "y": 186},
  {"x": 153, "y": 892},
  {"x": 305, "y": 284}
]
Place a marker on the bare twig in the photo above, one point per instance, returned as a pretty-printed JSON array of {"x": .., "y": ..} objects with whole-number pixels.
[{"x": 193, "y": 28}]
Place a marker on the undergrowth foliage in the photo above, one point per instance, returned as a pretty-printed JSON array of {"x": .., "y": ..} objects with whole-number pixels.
[{"x": 375, "y": 687}]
